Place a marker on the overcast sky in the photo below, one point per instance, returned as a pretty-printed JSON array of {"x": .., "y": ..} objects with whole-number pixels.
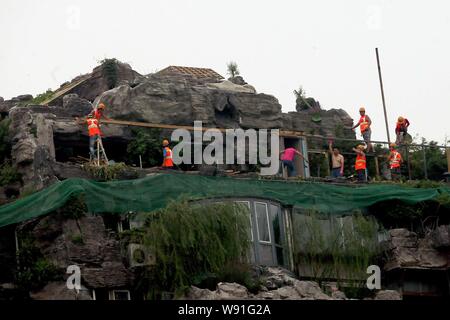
[{"x": 328, "y": 47}]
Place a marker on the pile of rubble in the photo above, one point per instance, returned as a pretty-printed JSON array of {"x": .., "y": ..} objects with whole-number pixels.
[{"x": 277, "y": 284}]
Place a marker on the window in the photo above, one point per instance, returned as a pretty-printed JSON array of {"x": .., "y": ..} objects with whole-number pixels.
[
  {"x": 119, "y": 295},
  {"x": 262, "y": 218}
]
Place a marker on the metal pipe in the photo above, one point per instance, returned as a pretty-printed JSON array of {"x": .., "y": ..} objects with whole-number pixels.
[{"x": 382, "y": 96}]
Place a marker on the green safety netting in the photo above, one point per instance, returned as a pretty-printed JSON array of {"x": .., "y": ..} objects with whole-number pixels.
[{"x": 154, "y": 192}]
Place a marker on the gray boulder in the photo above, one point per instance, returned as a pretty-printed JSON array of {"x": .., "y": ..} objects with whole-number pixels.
[
  {"x": 388, "y": 295},
  {"x": 441, "y": 237},
  {"x": 76, "y": 104}
]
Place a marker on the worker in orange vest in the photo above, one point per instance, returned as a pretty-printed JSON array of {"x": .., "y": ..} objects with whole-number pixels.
[
  {"x": 98, "y": 112},
  {"x": 360, "y": 164},
  {"x": 395, "y": 161},
  {"x": 167, "y": 154},
  {"x": 93, "y": 132},
  {"x": 401, "y": 129},
  {"x": 364, "y": 124}
]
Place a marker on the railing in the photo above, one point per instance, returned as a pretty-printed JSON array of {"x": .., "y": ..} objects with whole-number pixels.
[{"x": 420, "y": 161}]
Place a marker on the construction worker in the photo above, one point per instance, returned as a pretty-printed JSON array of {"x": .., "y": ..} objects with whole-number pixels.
[
  {"x": 287, "y": 158},
  {"x": 93, "y": 132},
  {"x": 360, "y": 163},
  {"x": 337, "y": 161},
  {"x": 167, "y": 155},
  {"x": 364, "y": 124},
  {"x": 98, "y": 112},
  {"x": 401, "y": 129},
  {"x": 395, "y": 161}
]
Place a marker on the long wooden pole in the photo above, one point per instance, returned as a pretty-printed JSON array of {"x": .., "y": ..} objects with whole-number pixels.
[
  {"x": 382, "y": 95},
  {"x": 282, "y": 133}
]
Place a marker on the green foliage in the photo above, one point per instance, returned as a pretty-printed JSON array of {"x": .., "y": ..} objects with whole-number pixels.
[
  {"x": 74, "y": 208},
  {"x": 435, "y": 158},
  {"x": 300, "y": 93},
  {"x": 5, "y": 145},
  {"x": 332, "y": 248},
  {"x": 232, "y": 69},
  {"x": 318, "y": 165},
  {"x": 147, "y": 144},
  {"x": 40, "y": 98},
  {"x": 191, "y": 241},
  {"x": 303, "y": 102},
  {"x": 34, "y": 270},
  {"x": 8, "y": 174},
  {"x": 77, "y": 239},
  {"x": 110, "y": 71},
  {"x": 33, "y": 131},
  {"x": 107, "y": 172}
]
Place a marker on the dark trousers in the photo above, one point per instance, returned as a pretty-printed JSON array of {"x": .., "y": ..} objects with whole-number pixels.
[
  {"x": 336, "y": 172},
  {"x": 290, "y": 167},
  {"x": 361, "y": 175}
]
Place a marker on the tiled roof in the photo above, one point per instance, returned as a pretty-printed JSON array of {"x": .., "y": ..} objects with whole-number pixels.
[{"x": 196, "y": 72}]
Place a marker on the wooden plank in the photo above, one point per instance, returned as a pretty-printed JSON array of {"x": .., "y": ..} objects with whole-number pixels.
[{"x": 282, "y": 133}]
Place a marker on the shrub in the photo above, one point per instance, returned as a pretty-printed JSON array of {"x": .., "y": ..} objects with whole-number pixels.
[
  {"x": 5, "y": 145},
  {"x": 147, "y": 144},
  {"x": 110, "y": 71},
  {"x": 107, "y": 172},
  {"x": 34, "y": 270},
  {"x": 8, "y": 174},
  {"x": 40, "y": 98}
]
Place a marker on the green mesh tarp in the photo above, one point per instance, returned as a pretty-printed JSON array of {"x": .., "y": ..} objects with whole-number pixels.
[{"x": 154, "y": 192}]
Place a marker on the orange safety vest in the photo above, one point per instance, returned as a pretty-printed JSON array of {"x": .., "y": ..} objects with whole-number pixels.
[
  {"x": 360, "y": 163},
  {"x": 93, "y": 127},
  {"x": 396, "y": 159},
  {"x": 168, "y": 158},
  {"x": 363, "y": 123}
]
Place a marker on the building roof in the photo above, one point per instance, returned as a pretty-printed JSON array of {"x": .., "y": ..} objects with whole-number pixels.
[{"x": 195, "y": 72}]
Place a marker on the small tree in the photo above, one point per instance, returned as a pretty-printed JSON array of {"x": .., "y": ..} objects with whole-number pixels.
[
  {"x": 300, "y": 93},
  {"x": 303, "y": 103},
  {"x": 232, "y": 68}
]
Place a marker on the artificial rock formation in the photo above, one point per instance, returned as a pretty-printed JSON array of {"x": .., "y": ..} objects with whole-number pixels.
[
  {"x": 406, "y": 250},
  {"x": 43, "y": 137},
  {"x": 84, "y": 242}
]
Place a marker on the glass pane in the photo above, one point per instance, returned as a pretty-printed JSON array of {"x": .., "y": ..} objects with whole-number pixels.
[
  {"x": 276, "y": 223},
  {"x": 121, "y": 295},
  {"x": 247, "y": 204},
  {"x": 262, "y": 218},
  {"x": 280, "y": 256},
  {"x": 266, "y": 255},
  {"x": 252, "y": 255}
]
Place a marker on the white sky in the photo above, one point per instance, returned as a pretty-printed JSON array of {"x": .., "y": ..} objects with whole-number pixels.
[{"x": 328, "y": 47}]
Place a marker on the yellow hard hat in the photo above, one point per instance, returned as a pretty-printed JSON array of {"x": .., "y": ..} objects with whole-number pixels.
[
  {"x": 101, "y": 106},
  {"x": 362, "y": 109},
  {"x": 392, "y": 145},
  {"x": 361, "y": 146},
  {"x": 165, "y": 142},
  {"x": 401, "y": 119}
]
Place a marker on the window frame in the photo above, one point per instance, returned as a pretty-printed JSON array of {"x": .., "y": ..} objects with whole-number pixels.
[{"x": 268, "y": 223}]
